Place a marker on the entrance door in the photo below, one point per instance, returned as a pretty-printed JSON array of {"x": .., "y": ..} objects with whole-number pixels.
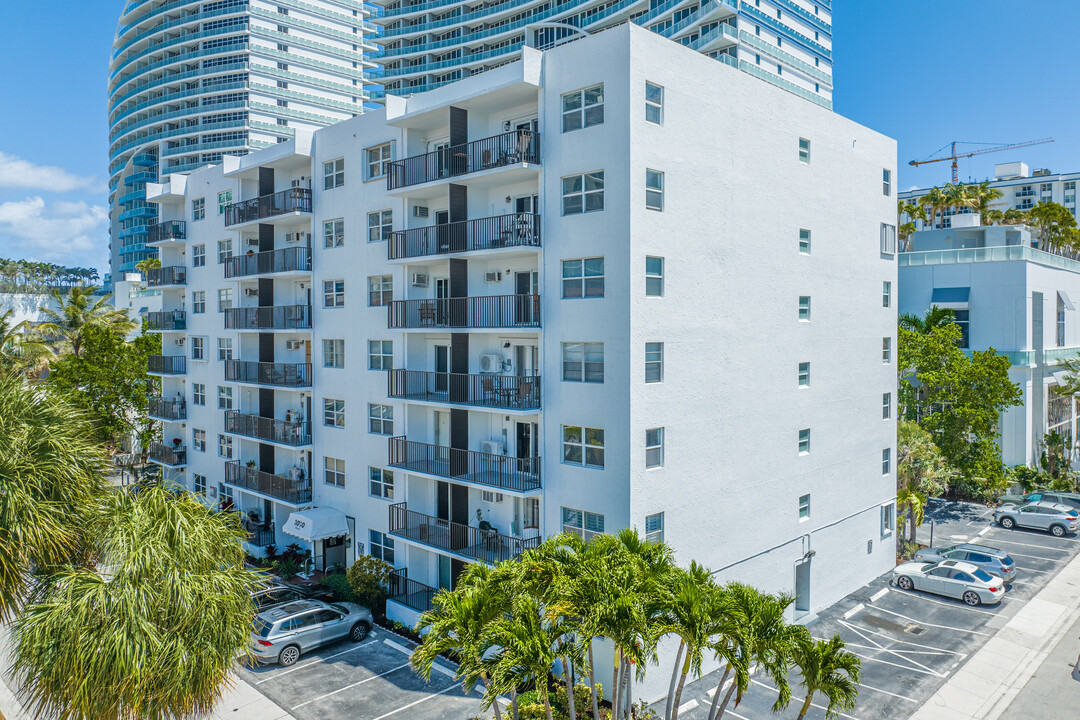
[
  {"x": 802, "y": 589},
  {"x": 442, "y": 302},
  {"x": 442, "y": 367},
  {"x": 334, "y": 551},
  {"x": 442, "y": 229},
  {"x": 527, "y": 204},
  {"x": 442, "y": 428},
  {"x": 526, "y": 286},
  {"x": 445, "y": 578},
  {"x": 525, "y": 360}
]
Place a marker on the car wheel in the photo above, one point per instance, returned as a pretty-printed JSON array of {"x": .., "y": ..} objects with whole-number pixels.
[
  {"x": 1057, "y": 530},
  {"x": 972, "y": 598},
  {"x": 360, "y": 631},
  {"x": 288, "y": 656},
  {"x": 1008, "y": 523},
  {"x": 905, "y": 582}
]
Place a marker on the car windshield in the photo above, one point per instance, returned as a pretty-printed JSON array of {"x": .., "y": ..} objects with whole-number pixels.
[
  {"x": 262, "y": 628},
  {"x": 340, "y": 608},
  {"x": 985, "y": 577}
]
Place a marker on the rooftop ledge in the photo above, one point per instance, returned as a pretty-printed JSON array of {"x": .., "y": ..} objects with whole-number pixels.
[{"x": 998, "y": 253}]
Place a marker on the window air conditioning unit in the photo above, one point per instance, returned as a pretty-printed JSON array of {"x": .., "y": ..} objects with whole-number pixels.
[
  {"x": 251, "y": 292},
  {"x": 491, "y": 362},
  {"x": 420, "y": 279},
  {"x": 492, "y": 447},
  {"x": 294, "y": 344},
  {"x": 419, "y": 211},
  {"x": 493, "y": 277},
  {"x": 253, "y": 242},
  {"x": 298, "y": 237},
  {"x": 492, "y": 497},
  {"x": 301, "y": 183},
  {"x": 180, "y": 342}
]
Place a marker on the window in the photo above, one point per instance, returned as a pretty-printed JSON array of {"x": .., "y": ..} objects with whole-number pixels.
[
  {"x": 804, "y": 241},
  {"x": 583, "y": 362},
  {"x": 334, "y": 471},
  {"x": 654, "y": 448},
  {"x": 804, "y": 374},
  {"x": 380, "y": 419},
  {"x": 886, "y": 461},
  {"x": 886, "y": 181},
  {"x": 198, "y": 440},
  {"x": 886, "y": 351},
  {"x": 804, "y": 441},
  {"x": 1060, "y": 321},
  {"x": 224, "y": 251},
  {"x": 583, "y": 446},
  {"x": 380, "y": 290},
  {"x": 583, "y": 108},
  {"x": 198, "y": 348},
  {"x": 804, "y": 151},
  {"x": 380, "y": 224},
  {"x": 961, "y": 318},
  {"x": 583, "y": 277},
  {"x": 224, "y": 398},
  {"x": 886, "y": 293},
  {"x": 198, "y": 255},
  {"x": 381, "y": 483},
  {"x": 378, "y": 161},
  {"x": 654, "y": 362},
  {"x": 804, "y": 308},
  {"x": 382, "y": 546},
  {"x": 199, "y": 483},
  {"x": 198, "y": 209},
  {"x": 333, "y": 233},
  {"x": 654, "y": 190},
  {"x": 333, "y": 413},
  {"x": 224, "y": 348},
  {"x": 223, "y": 198},
  {"x": 225, "y": 446},
  {"x": 804, "y": 507},
  {"x": 585, "y": 525},
  {"x": 887, "y": 515},
  {"x": 654, "y": 528},
  {"x": 334, "y": 293},
  {"x": 333, "y": 353},
  {"x": 654, "y": 103},
  {"x": 380, "y": 354},
  {"x": 333, "y": 174},
  {"x": 583, "y": 193},
  {"x": 198, "y": 302},
  {"x": 654, "y": 276},
  {"x": 224, "y": 299},
  {"x": 886, "y": 406},
  {"x": 198, "y": 394}
]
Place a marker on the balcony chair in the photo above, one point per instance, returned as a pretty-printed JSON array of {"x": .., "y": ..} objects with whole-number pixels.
[
  {"x": 524, "y": 393},
  {"x": 487, "y": 385}
]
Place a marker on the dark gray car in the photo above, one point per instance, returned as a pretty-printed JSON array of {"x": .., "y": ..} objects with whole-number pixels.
[
  {"x": 994, "y": 561},
  {"x": 284, "y": 632}
]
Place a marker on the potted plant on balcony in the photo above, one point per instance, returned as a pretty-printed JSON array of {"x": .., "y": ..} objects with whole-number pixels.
[
  {"x": 176, "y": 443},
  {"x": 251, "y": 464}
]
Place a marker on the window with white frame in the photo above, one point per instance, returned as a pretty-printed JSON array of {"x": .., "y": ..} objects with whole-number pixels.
[
  {"x": 381, "y": 546},
  {"x": 804, "y": 441},
  {"x": 198, "y": 439},
  {"x": 198, "y": 255},
  {"x": 224, "y": 397},
  {"x": 225, "y": 495},
  {"x": 378, "y": 161},
  {"x": 224, "y": 348},
  {"x": 380, "y": 419},
  {"x": 380, "y": 290},
  {"x": 199, "y": 484},
  {"x": 886, "y": 406},
  {"x": 888, "y": 515},
  {"x": 224, "y": 251},
  {"x": 583, "y": 362},
  {"x": 654, "y": 362},
  {"x": 224, "y": 198},
  {"x": 198, "y": 302},
  {"x": 654, "y": 276},
  {"x": 224, "y": 299},
  {"x": 333, "y": 353},
  {"x": 583, "y": 108},
  {"x": 583, "y": 277},
  {"x": 654, "y": 190},
  {"x": 888, "y": 239},
  {"x": 225, "y": 447},
  {"x": 198, "y": 348},
  {"x": 198, "y": 394},
  {"x": 334, "y": 471},
  {"x": 381, "y": 483},
  {"x": 804, "y": 308},
  {"x": 804, "y": 151},
  {"x": 1060, "y": 321},
  {"x": 804, "y": 374},
  {"x": 333, "y": 413},
  {"x": 886, "y": 293},
  {"x": 585, "y": 525},
  {"x": 380, "y": 354},
  {"x": 886, "y": 181},
  {"x": 334, "y": 293},
  {"x": 804, "y": 507},
  {"x": 583, "y": 193},
  {"x": 583, "y": 446},
  {"x": 654, "y": 103},
  {"x": 333, "y": 233},
  {"x": 654, "y": 528},
  {"x": 333, "y": 173},
  {"x": 380, "y": 224},
  {"x": 886, "y": 461},
  {"x": 886, "y": 350},
  {"x": 654, "y": 448},
  {"x": 198, "y": 209},
  {"x": 804, "y": 241}
]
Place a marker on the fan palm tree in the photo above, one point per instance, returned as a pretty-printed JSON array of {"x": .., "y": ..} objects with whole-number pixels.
[
  {"x": 827, "y": 668},
  {"x": 935, "y": 317},
  {"x": 78, "y": 311}
]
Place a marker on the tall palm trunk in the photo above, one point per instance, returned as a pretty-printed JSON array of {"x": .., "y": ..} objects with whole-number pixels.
[
  {"x": 615, "y": 685},
  {"x": 679, "y": 689},
  {"x": 495, "y": 704},
  {"x": 727, "y": 699},
  {"x": 513, "y": 702},
  {"x": 568, "y": 679},
  {"x": 805, "y": 706},
  {"x": 674, "y": 676},
  {"x": 547, "y": 698},
  {"x": 592, "y": 684},
  {"x": 716, "y": 694},
  {"x": 626, "y": 690}
]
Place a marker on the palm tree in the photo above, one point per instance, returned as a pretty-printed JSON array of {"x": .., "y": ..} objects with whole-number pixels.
[
  {"x": 958, "y": 196},
  {"x": 914, "y": 212},
  {"x": 79, "y": 311},
  {"x": 692, "y": 612},
  {"x": 19, "y": 349},
  {"x": 983, "y": 197},
  {"x": 827, "y": 668},
  {"x": 935, "y": 201},
  {"x": 145, "y": 266},
  {"x": 935, "y": 317}
]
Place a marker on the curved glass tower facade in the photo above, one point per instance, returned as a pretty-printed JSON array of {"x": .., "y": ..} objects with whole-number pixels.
[{"x": 193, "y": 80}]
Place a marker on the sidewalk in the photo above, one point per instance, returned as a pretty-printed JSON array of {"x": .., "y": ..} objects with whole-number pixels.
[{"x": 1027, "y": 650}]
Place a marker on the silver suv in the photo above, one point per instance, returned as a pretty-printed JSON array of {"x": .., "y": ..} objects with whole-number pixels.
[
  {"x": 1056, "y": 519},
  {"x": 991, "y": 560},
  {"x": 285, "y": 632}
]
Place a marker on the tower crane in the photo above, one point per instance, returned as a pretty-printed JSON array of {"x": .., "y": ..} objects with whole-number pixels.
[{"x": 982, "y": 151}]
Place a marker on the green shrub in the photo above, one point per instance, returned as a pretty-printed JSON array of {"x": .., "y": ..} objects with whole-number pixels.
[
  {"x": 338, "y": 585},
  {"x": 369, "y": 577}
]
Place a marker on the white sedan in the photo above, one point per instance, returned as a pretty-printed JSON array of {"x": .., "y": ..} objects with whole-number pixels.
[{"x": 951, "y": 578}]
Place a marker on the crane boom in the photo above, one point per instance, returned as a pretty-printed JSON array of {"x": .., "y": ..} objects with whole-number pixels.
[{"x": 982, "y": 151}]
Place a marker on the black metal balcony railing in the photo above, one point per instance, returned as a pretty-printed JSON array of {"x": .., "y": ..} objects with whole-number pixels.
[
  {"x": 294, "y": 491},
  {"x": 500, "y": 472},
  {"x": 503, "y": 231},
  {"x": 167, "y": 409},
  {"x": 174, "y": 275},
  {"x": 277, "y": 317},
  {"x": 268, "y": 206},
  {"x": 507, "y": 392},
  {"x": 489, "y": 546},
  {"x": 294, "y": 259},
  {"x": 279, "y": 431},
  {"x": 410, "y": 593},
  {"x": 167, "y": 320},
  {"x": 167, "y": 230},
  {"x": 490, "y": 311},
  {"x": 511, "y": 148},
  {"x": 174, "y": 455},
  {"x": 290, "y": 375},
  {"x": 166, "y": 364},
  {"x": 259, "y": 534}
]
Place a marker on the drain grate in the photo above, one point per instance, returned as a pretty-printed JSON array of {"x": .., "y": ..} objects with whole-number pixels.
[{"x": 913, "y": 629}]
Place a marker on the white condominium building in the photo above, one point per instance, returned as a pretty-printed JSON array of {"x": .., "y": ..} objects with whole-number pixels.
[
  {"x": 560, "y": 297},
  {"x": 191, "y": 81}
]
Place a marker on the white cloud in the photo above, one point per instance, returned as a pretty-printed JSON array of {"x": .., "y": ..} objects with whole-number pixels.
[
  {"x": 18, "y": 173},
  {"x": 64, "y": 232}
]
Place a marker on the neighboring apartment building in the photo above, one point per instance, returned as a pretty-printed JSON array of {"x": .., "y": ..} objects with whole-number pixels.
[
  {"x": 429, "y": 43},
  {"x": 560, "y": 297},
  {"x": 192, "y": 81}
]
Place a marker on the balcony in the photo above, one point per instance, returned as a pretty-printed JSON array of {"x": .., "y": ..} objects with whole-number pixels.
[
  {"x": 259, "y": 535},
  {"x": 166, "y": 364},
  {"x": 488, "y": 546},
  {"x": 489, "y": 311},
  {"x": 167, "y": 320},
  {"x": 167, "y": 231},
  {"x": 504, "y": 392},
  {"x": 294, "y": 491},
  {"x": 167, "y": 409},
  {"x": 512, "y": 148},
  {"x": 410, "y": 593},
  {"x": 294, "y": 434},
  {"x": 518, "y": 230},
  {"x": 291, "y": 201},
  {"x": 171, "y": 455},
  {"x": 277, "y": 317},
  {"x": 499, "y": 472},
  {"x": 284, "y": 375},
  {"x": 164, "y": 276},
  {"x": 294, "y": 259}
]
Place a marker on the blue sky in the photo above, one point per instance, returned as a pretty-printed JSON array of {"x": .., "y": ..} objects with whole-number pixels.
[{"x": 922, "y": 71}]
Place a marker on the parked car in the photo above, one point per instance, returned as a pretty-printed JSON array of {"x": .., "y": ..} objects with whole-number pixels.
[
  {"x": 951, "y": 578},
  {"x": 990, "y": 560},
  {"x": 1054, "y": 518},
  {"x": 279, "y": 593},
  {"x": 1062, "y": 498},
  {"x": 283, "y": 633}
]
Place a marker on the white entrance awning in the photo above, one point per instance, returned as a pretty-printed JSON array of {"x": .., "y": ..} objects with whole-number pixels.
[{"x": 316, "y": 524}]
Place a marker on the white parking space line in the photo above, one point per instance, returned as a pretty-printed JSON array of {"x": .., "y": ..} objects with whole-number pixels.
[
  {"x": 984, "y": 531},
  {"x": 882, "y": 648},
  {"x": 879, "y": 594},
  {"x": 688, "y": 706},
  {"x": 898, "y": 665},
  {"x": 943, "y": 627},
  {"x": 396, "y": 646},
  {"x": 854, "y": 610},
  {"x": 886, "y": 692},
  {"x": 813, "y": 704},
  {"x": 909, "y": 642},
  {"x": 939, "y": 653},
  {"x": 926, "y": 596},
  {"x": 348, "y": 687},
  {"x": 1030, "y": 545},
  {"x": 416, "y": 702},
  {"x": 317, "y": 661}
]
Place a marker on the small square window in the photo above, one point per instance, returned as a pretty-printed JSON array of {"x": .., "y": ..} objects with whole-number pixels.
[
  {"x": 654, "y": 190},
  {"x": 333, "y": 353},
  {"x": 380, "y": 419},
  {"x": 224, "y": 348},
  {"x": 380, "y": 290},
  {"x": 333, "y": 174},
  {"x": 654, "y": 362},
  {"x": 198, "y": 394},
  {"x": 224, "y": 398},
  {"x": 381, "y": 483},
  {"x": 804, "y": 441},
  {"x": 583, "y": 108},
  {"x": 583, "y": 193},
  {"x": 334, "y": 293},
  {"x": 224, "y": 198},
  {"x": 886, "y": 461},
  {"x": 224, "y": 299},
  {"x": 381, "y": 546},
  {"x": 654, "y": 103},
  {"x": 654, "y": 448},
  {"x": 654, "y": 276},
  {"x": 380, "y": 354},
  {"x": 583, "y": 362},
  {"x": 333, "y": 413},
  {"x": 334, "y": 471},
  {"x": 199, "y": 484},
  {"x": 198, "y": 209},
  {"x": 198, "y": 348},
  {"x": 804, "y": 241},
  {"x": 804, "y": 151},
  {"x": 583, "y": 277},
  {"x": 886, "y": 351},
  {"x": 583, "y": 446},
  {"x": 225, "y": 447},
  {"x": 198, "y": 440},
  {"x": 198, "y": 255},
  {"x": 804, "y": 374},
  {"x": 804, "y": 507},
  {"x": 334, "y": 233},
  {"x": 888, "y": 516},
  {"x": 224, "y": 251},
  {"x": 654, "y": 528},
  {"x": 886, "y": 182},
  {"x": 378, "y": 160},
  {"x": 804, "y": 308},
  {"x": 380, "y": 225},
  {"x": 886, "y": 406},
  {"x": 198, "y": 302}
]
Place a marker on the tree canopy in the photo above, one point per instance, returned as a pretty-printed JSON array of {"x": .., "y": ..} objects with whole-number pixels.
[{"x": 27, "y": 276}]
